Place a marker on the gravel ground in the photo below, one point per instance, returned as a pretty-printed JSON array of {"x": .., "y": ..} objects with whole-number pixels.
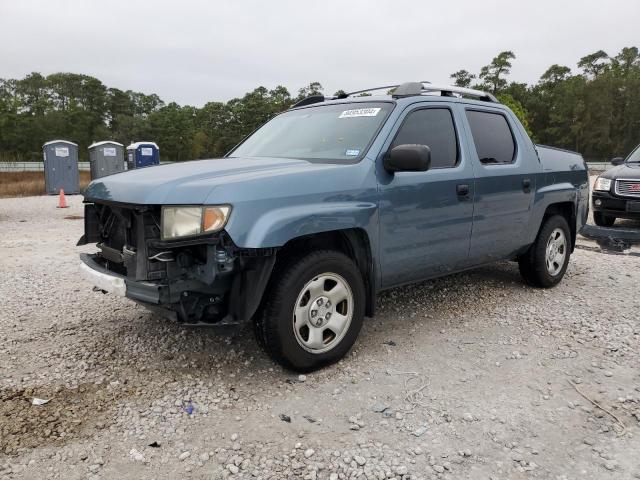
[{"x": 474, "y": 376}]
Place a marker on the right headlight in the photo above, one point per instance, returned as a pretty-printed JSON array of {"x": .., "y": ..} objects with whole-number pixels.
[
  {"x": 602, "y": 184},
  {"x": 187, "y": 221}
]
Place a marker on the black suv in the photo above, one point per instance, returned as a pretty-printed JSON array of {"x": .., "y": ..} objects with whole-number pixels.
[{"x": 616, "y": 193}]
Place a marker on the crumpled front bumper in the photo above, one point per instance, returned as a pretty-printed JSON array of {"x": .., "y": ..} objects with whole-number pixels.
[
  {"x": 217, "y": 292},
  {"x": 111, "y": 282}
]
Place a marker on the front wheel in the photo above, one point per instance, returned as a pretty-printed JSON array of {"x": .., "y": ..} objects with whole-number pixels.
[
  {"x": 546, "y": 262},
  {"x": 603, "y": 220},
  {"x": 312, "y": 311}
]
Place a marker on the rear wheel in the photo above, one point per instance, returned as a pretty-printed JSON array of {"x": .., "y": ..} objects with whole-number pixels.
[
  {"x": 603, "y": 220},
  {"x": 312, "y": 310},
  {"x": 545, "y": 263}
]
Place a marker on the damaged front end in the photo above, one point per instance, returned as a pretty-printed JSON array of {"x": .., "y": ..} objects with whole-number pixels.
[{"x": 205, "y": 279}]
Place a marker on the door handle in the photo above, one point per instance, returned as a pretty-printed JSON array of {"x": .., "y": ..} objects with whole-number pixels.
[
  {"x": 462, "y": 189},
  {"x": 526, "y": 185}
]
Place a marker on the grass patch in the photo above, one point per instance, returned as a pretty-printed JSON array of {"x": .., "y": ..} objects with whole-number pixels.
[{"x": 28, "y": 184}]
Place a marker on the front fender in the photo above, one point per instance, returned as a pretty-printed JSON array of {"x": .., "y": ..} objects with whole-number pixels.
[{"x": 275, "y": 227}]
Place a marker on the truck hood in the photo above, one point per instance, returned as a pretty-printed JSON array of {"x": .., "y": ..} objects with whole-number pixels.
[
  {"x": 626, "y": 170},
  {"x": 192, "y": 182}
]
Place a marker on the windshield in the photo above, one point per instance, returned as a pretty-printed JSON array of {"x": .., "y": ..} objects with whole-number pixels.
[
  {"x": 328, "y": 132},
  {"x": 635, "y": 155}
]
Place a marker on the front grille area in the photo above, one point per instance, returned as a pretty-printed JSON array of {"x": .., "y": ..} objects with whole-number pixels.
[
  {"x": 628, "y": 188},
  {"x": 124, "y": 236}
]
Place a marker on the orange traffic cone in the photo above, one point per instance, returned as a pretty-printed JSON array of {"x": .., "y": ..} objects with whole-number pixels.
[{"x": 62, "y": 201}]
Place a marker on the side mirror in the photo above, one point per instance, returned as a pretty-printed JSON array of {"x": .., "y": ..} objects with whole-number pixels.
[
  {"x": 617, "y": 161},
  {"x": 408, "y": 158}
]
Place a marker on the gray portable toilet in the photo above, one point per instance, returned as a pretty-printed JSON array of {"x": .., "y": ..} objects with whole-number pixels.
[
  {"x": 61, "y": 167},
  {"x": 106, "y": 158}
]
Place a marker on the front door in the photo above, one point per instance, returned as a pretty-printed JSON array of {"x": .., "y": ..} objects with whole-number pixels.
[{"x": 426, "y": 217}]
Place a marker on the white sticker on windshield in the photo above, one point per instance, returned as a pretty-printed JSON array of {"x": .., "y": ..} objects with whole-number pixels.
[
  {"x": 352, "y": 153},
  {"x": 109, "y": 151},
  {"x": 360, "y": 112},
  {"x": 146, "y": 152}
]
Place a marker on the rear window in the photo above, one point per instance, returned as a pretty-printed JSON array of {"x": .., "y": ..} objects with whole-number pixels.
[
  {"x": 492, "y": 137},
  {"x": 434, "y": 128}
]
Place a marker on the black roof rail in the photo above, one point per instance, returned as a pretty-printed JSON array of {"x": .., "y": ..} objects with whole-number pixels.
[{"x": 311, "y": 99}]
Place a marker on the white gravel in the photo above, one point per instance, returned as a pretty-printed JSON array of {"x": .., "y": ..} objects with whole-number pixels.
[{"x": 465, "y": 377}]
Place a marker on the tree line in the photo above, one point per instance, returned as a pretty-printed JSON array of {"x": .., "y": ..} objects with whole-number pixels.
[{"x": 595, "y": 110}]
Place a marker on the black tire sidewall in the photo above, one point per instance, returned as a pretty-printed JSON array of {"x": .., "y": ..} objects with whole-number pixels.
[{"x": 279, "y": 336}]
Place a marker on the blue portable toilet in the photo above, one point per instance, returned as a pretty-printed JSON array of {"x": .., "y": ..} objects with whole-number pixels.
[{"x": 142, "y": 154}]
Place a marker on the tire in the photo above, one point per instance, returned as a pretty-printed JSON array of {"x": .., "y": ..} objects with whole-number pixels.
[
  {"x": 287, "y": 327},
  {"x": 603, "y": 220},
  {"x": 534, "y": 265}
]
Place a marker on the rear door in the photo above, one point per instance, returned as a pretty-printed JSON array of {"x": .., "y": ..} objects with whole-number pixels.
[
  {"x": 426, "y": 217},
  {"x": 505, "y": 182}
]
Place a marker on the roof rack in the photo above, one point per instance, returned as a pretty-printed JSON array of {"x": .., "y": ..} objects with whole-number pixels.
[
  {"x": 450, "y": 90},
  {"x": 409, "y": 89},
  {"x": 387, "y": 87},
  {"x": 317, "y": 98}
]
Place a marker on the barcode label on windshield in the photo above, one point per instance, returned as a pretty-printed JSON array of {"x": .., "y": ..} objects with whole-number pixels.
[{"x": 360, "y": 112}]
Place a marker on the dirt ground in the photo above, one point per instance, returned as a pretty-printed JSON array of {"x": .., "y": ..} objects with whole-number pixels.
[{"x": 474, "y": 376}]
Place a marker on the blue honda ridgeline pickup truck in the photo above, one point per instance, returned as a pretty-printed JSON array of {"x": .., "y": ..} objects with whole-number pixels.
[{"x": 300, "y": 226}]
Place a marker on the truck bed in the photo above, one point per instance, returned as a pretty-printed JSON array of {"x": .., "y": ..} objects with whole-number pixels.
[{"x": 559, "y": 160}]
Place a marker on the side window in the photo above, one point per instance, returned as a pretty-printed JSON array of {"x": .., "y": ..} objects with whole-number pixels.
[
  {"x": 434, "y": 128},
  {"x": 492, "y": 137}
]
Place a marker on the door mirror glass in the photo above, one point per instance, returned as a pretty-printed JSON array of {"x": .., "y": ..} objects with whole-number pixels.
[
  {"x": 408, "y": 158},
  {"x": 617, "y": 161}
]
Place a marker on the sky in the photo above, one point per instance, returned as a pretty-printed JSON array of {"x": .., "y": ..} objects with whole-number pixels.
[{"x": 192, "y": 52}]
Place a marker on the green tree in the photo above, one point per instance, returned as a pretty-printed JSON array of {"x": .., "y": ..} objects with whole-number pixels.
[
  {"x": 555, "y": 74},
  {"x": 492, "y": 75},
  {"x": 594, "y": 64},
  {"x": 314, "y": 88},
  {"x": 517, "y": 108},
  {"x": 595, "y": 111},
  {"x": 462, "y": 78}
]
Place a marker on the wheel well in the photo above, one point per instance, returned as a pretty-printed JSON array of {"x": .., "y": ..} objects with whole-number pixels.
[
  {"x": 568, "y": 211},
  {"x": 352, "y": 242}
]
